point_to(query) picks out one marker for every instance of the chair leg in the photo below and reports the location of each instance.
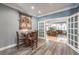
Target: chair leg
(36, 44)
(17, 40)
(17, 44)
(32, 45)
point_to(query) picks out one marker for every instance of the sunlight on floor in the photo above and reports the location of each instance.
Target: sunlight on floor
(59, 39)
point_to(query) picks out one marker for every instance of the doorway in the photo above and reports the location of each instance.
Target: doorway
(56, 30)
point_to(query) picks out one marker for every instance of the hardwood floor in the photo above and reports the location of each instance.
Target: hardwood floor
(44, 48)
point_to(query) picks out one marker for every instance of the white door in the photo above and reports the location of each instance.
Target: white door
(41, 29)
(73, 31)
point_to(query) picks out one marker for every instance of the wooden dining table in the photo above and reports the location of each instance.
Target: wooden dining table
(29, 38)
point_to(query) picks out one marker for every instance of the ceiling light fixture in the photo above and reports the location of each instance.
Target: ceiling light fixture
(39, 12)
(32, 7)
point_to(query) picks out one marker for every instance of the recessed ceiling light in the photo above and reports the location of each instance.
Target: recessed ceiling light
(39, 12)
(32, 7)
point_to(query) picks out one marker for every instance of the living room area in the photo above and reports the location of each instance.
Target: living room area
(56, 30)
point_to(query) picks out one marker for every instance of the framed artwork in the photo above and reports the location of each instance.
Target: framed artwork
(25, 22)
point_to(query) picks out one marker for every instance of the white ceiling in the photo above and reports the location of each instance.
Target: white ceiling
(45, 8)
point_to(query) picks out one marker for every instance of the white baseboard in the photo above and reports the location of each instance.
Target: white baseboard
(6, 47)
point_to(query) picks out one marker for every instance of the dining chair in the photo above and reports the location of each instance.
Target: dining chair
(33, 39)
(20, 39)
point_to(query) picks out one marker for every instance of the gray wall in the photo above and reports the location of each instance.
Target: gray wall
(8, 26)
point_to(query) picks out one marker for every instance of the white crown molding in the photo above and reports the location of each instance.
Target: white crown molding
(7, 47)
(68, 8)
